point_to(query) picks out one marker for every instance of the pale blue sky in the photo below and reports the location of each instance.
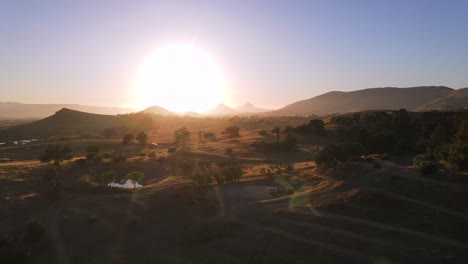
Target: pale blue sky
(271, 52)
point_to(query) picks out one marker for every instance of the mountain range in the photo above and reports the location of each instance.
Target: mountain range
(422, 98)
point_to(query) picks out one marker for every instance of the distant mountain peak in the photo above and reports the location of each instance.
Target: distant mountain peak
(158, 110)
(250, 108)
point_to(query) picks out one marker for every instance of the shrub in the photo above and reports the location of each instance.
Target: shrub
(427, 167)
(419, 159)
(152, 155)
(442, 152)
(34, 231)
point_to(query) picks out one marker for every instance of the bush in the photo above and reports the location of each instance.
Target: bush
(427, 167)
(442, 152)
(419, 159)
(34, 231)
(152, 155)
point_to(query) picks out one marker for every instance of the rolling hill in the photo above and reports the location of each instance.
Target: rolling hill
(67, 122)
(11, 110)
(411, 98)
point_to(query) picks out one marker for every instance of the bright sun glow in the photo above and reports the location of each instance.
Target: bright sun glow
(179, 78)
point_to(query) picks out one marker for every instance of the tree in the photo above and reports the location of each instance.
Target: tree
(231, 173)
(128, 139)
(135, 177)
(142, 137)
(202, 180)
(108, 177)
(181, 137)
(232, 131)
(458, 152)
(316, 126)
(57, 154)
(277, 131)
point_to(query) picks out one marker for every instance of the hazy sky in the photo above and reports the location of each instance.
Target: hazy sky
(272, 53)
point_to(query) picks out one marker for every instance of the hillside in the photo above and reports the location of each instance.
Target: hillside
(368, 99)
(65, 122)
(10, 110)
(457, 99)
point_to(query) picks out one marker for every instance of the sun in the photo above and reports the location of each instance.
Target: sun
(180, 78)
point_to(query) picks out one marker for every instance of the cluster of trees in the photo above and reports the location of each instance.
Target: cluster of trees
(141, 138)
(225, 173)
(232, 132)
(315, 126)
(289, 143)
(443, 135)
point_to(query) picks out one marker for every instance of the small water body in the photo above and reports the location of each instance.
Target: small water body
(124, 184)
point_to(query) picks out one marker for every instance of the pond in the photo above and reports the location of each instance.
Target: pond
(124, 184)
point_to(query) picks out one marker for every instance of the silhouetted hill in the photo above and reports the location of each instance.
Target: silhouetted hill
(457, 99)
(221, 110)
(250, 108)
(158, 110)
(10, 110)
(68, 122)
(368, 99)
